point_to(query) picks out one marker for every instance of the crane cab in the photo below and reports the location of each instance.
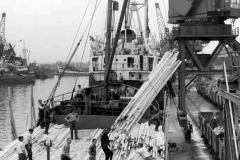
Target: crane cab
(182, 10)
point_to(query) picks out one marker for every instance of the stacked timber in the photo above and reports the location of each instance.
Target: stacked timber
(146, 94)
(58, 134)
(122, 130)
(124, 147)
(79, 148)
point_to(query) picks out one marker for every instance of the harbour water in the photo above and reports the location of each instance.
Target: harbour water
(21, 101)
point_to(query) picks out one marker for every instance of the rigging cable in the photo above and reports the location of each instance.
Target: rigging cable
(105, 28)
(78, 28)
(51, 96)
(96, 6)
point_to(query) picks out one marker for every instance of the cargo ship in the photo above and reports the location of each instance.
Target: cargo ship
(69, 72)
(13, 69)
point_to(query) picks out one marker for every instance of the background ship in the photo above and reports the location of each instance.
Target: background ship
(113, 80)
(73, 72)
(12, 68)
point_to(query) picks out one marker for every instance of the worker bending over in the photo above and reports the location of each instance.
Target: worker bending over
(158, 118)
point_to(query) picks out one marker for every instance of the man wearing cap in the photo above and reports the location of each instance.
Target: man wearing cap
(20, 149)
(105, 143)
(73, 118)
(28, 143)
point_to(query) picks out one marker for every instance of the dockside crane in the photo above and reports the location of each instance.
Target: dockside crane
(2, 32)
(204, 21)
(3, 43)
(162, 29)
(166, 41)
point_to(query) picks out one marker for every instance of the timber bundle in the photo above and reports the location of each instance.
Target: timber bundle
(146, 94)
(123, 147)
(121, 130)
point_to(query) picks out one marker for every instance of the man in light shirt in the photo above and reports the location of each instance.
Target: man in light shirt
(28, 143)
(20, 149)
(143, 152)
(66, 150)
(80, 90)
(73, 118)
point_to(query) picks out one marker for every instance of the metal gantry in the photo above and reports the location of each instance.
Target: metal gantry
(204, 21)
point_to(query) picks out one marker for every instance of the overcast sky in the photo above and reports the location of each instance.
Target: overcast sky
(49, 26)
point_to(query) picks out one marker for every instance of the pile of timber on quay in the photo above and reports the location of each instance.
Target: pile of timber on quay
(58, 134)
(79, 148)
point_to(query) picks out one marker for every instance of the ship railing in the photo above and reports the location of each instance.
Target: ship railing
(93, 107)
(125, 66)
(63, 97)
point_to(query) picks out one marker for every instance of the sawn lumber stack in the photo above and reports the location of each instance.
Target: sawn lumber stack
(146, 94)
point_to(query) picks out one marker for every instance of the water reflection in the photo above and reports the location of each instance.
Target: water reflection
(21, 101)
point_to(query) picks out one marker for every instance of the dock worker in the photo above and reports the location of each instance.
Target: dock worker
(73, 118)
(92, 150)
(80, 90)
(188, 130)
(143, 151)
(47, 119)
(21, 149)
(121, 77)
(41, 108)
(105, 144)
(28, 143)
(66, 150)
(158, 118)
(214, 122)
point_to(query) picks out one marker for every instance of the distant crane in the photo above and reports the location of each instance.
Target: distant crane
(162, 29)
(2, 32)
(166, 41)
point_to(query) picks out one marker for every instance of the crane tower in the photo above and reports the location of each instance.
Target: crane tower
(2, 32)
(161, 24)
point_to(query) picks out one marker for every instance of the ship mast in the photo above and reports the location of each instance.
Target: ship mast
(146, 19)
(108, 63)
(108, 46)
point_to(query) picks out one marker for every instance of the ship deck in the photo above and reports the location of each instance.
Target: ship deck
(59, 134)
(196, 150)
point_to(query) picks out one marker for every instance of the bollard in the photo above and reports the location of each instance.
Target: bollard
(48, 144)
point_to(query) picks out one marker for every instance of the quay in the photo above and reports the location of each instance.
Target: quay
(196, 150)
